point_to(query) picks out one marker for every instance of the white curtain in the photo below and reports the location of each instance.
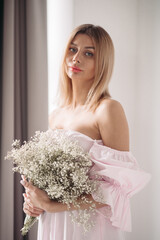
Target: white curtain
(60, 15)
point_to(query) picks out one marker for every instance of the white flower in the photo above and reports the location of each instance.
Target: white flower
(57, 164)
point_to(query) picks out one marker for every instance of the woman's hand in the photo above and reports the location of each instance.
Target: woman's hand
(29, 209)
(35, 198)
(37, 201)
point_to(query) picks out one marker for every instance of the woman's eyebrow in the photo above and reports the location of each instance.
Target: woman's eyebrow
(73, 44)
(90, 47)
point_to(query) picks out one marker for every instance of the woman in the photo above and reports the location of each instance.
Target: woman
(87, 113)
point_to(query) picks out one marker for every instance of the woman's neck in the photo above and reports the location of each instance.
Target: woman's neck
(80, 92)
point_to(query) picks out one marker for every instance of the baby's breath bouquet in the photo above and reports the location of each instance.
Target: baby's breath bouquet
(56, 163)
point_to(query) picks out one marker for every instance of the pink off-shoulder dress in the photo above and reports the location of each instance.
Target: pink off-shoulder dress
(121, 179)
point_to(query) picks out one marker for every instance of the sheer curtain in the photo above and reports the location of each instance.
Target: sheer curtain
(24, 95)
(60, 22)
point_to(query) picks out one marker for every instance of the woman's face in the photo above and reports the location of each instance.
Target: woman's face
(80, 59)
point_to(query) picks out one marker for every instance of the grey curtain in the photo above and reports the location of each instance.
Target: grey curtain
(1, 57)
(24, 98)
(20, 101)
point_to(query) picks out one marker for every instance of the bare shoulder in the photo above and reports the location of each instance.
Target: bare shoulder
(112, 124)
(109, 105)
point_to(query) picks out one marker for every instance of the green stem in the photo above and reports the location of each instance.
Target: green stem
(28, 223)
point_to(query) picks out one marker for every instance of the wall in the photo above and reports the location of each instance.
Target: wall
(133, 26)
(118, 18)
(147, 126)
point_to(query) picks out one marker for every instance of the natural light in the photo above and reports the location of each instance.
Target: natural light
(59, 25)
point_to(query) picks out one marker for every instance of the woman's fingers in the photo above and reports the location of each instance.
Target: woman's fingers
(31, 211)
(38, 210)
(36, 196)
(23, 177)
(27, 185)
(27, 200)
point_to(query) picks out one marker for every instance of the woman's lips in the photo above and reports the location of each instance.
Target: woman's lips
(75, 69)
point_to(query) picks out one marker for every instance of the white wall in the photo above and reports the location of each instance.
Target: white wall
(133, 26)
(148, 116)
(119, 19)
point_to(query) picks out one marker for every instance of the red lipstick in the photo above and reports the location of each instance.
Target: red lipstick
(75, 69)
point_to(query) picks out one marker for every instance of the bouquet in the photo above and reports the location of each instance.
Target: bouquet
(54, 162)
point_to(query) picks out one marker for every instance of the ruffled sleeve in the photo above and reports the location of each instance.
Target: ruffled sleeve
(120, 178)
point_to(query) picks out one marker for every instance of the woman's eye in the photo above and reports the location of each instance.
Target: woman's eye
(89, 54)
(72, 49)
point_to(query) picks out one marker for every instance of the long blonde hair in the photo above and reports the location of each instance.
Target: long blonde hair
(104, 61)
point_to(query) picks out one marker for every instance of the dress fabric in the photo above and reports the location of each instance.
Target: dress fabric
(120, 179)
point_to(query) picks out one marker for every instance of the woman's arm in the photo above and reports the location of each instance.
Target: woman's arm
(37, 201)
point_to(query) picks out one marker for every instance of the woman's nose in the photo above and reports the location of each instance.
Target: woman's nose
(76, 58)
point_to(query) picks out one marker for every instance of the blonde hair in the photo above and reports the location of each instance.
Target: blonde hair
(104, 61)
